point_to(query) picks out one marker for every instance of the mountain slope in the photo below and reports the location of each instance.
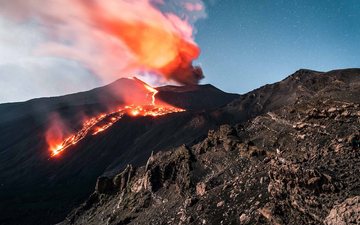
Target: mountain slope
(37, 189)
(292, 164)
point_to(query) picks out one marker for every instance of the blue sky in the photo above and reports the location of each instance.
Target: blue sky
(245, 44)
(248, 43)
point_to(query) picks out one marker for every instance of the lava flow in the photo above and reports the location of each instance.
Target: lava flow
(98, 124)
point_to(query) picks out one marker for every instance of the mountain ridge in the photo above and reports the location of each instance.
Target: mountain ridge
(287, 165)
(134, 140)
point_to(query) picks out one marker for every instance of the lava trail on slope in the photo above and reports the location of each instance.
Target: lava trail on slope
(102, 122)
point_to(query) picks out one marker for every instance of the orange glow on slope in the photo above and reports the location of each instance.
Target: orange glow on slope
(101, 123)
(153, 92)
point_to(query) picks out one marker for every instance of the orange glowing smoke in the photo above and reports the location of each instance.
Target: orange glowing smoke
(55, 134)
(157, 50)
(58, 142)
(113, 38)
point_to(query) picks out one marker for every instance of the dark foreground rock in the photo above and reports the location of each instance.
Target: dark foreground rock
(295, 165)
(348, 212)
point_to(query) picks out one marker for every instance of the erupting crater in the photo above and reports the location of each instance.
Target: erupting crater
(102, 122)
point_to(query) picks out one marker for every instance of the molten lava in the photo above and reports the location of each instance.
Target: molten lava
(99, 124)
(153, 92)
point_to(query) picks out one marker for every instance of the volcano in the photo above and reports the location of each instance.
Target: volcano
(280, 154)
(54, 185)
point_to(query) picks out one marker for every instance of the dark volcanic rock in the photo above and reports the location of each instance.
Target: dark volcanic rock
(195, 97)
(348, 212)
(286, 154)
(104, 185)
(297, 164)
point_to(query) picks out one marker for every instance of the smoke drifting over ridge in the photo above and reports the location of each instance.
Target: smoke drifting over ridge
(114, 38)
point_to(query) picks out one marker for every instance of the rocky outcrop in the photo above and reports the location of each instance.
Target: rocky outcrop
(165, 170)
(106, 185)
(347, 212)
(295, 189)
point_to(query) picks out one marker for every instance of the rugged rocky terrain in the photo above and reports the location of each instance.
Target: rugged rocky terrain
(286, 153)
(291, 156)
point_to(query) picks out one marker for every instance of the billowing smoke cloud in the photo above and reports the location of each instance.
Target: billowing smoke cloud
(114, 38)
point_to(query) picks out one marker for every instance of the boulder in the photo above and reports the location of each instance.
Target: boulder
(347, 212)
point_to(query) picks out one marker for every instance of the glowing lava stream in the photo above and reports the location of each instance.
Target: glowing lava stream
(102, 122)
(153, 92)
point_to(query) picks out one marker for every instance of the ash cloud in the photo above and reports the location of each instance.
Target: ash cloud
(117, 38)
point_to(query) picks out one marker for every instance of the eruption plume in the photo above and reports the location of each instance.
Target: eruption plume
(114, 38)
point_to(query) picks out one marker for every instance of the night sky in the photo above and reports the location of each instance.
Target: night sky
(248, 43)
(245, 44)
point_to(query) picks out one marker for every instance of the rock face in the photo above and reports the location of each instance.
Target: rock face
(298, 164)
(348, 212)
(106, 185)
